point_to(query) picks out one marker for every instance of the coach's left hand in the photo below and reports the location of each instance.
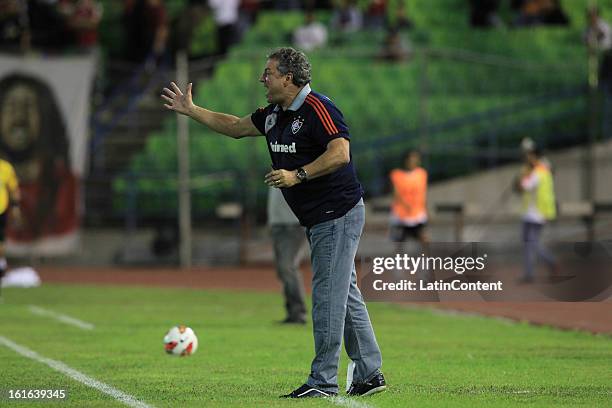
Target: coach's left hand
(281, 178)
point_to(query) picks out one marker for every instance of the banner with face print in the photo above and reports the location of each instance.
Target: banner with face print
(44, 112)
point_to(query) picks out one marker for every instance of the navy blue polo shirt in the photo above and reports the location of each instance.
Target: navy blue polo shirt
(298, 136)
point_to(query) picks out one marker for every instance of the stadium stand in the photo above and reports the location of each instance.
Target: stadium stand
(466, 97)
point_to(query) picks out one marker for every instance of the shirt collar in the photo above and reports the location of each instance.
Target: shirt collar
(298, 101)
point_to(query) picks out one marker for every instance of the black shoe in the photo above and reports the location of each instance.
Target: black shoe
(306, 391)
(372, 386)
(293, 320)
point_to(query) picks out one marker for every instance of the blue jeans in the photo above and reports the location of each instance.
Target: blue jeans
(338, 310)
(531, 238)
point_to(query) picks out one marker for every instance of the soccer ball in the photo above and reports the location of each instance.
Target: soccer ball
(180, 341)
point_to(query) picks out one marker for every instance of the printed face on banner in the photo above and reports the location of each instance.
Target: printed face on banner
(33, 139)
(20, 117)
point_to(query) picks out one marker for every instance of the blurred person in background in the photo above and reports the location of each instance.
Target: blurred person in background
(375, 16)
(288, 239)
(347, 17)
(409, 208)
(395, 48)
(536, 185)
(287, 4)
(556, 15)
(528, 146)
(14, 26)
(483, 13)
(311, 35)
(83, 18)
(225, 13)
(401, 21)
(194, 31)
(146, 30)
(48, 25)
(248, 12)
(537, 12)
(598, 38)
(10, 201)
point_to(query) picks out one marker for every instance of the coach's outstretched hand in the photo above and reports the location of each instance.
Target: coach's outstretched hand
(177, 100)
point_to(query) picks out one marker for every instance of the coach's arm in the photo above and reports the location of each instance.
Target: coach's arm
(224, 123)
(335, 156)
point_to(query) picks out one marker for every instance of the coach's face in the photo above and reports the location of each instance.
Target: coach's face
(275, 83)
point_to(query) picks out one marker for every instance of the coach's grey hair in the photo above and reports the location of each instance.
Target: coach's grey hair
(294, 61)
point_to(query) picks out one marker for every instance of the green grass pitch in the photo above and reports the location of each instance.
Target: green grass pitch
(246, 360)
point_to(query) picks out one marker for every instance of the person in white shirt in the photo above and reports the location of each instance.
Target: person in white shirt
(225, 13)
(598, 34)
(311, 35)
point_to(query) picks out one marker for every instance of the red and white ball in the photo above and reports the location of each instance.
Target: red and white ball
(180, 341)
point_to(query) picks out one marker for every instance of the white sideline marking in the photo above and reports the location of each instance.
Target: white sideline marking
(75, 375)
(61, 317)
(350, 403)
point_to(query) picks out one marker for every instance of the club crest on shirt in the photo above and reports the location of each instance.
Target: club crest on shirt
(297, 125)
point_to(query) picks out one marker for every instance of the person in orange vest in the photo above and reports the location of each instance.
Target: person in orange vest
(537, 188)
(408, 210)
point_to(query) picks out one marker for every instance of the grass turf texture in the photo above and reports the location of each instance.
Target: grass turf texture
(244, 359)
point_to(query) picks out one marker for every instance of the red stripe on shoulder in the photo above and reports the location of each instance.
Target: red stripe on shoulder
(312, 101)
(325, 113)
(320, 115)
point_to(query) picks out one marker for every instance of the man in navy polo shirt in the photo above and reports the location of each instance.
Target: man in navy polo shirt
(310, 150)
